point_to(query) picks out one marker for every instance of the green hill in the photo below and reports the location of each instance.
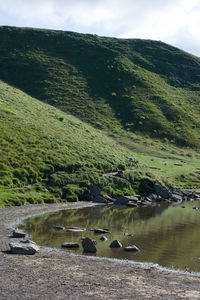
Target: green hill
(141, 86)
(143, 94)
(48, 155)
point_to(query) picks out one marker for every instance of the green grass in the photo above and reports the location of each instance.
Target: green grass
(43, 149)
(144, 86)
(140, 96)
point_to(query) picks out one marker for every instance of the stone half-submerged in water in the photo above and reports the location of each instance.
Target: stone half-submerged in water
(58, 228)
(100, 231)
(132, 248)
(103, 238)
(115, 244)
(70, 245)
(89, 245)
(26, 247)
(75, 229)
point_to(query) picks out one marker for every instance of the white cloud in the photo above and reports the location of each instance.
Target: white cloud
(173, 21)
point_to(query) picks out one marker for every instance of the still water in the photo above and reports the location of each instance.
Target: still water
(166, 235)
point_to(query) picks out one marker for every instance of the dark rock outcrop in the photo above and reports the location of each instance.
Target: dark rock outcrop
(161, 191)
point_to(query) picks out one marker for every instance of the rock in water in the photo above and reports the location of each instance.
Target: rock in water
(75, 229)
(103, 238)
(58, 228)
(89, 246)
(25, 247)
(70, 245)
(101, 231)
(128, 234)
(115, 244)
(17, 233)
(131, 249)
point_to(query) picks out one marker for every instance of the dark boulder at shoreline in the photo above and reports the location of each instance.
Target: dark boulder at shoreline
(25, 247)
(89, 246)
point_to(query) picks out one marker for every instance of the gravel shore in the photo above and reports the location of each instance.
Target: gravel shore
(52, 274)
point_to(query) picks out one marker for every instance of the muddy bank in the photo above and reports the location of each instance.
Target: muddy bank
(54, 275)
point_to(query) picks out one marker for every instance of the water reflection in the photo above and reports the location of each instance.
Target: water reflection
(165, 235)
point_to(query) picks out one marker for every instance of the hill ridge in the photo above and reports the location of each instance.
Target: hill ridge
(143, 86)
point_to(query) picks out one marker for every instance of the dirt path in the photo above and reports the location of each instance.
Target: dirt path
(52, 275)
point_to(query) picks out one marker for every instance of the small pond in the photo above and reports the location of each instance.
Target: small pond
(166, 235)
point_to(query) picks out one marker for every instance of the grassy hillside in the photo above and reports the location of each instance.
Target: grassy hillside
(47, 155)
(120, 86)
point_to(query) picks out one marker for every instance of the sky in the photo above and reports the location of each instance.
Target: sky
(176, 22)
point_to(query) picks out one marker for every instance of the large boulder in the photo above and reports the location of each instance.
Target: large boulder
(25, 247)
(89, 246)
(17, 233)
(115, 244)
(161, 190)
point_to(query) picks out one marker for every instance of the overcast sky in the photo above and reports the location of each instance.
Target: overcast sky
(176, 22)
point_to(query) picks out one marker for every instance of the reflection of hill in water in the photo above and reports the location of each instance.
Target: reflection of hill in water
(168, 236)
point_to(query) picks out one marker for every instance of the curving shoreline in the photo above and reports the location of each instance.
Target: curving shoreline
(51, 275)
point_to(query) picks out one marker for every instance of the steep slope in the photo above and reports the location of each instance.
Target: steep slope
(141, 86)
(47, 154)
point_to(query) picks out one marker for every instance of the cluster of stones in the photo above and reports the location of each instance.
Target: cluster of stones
(24, 246)
(155, 193)
(89, 245)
